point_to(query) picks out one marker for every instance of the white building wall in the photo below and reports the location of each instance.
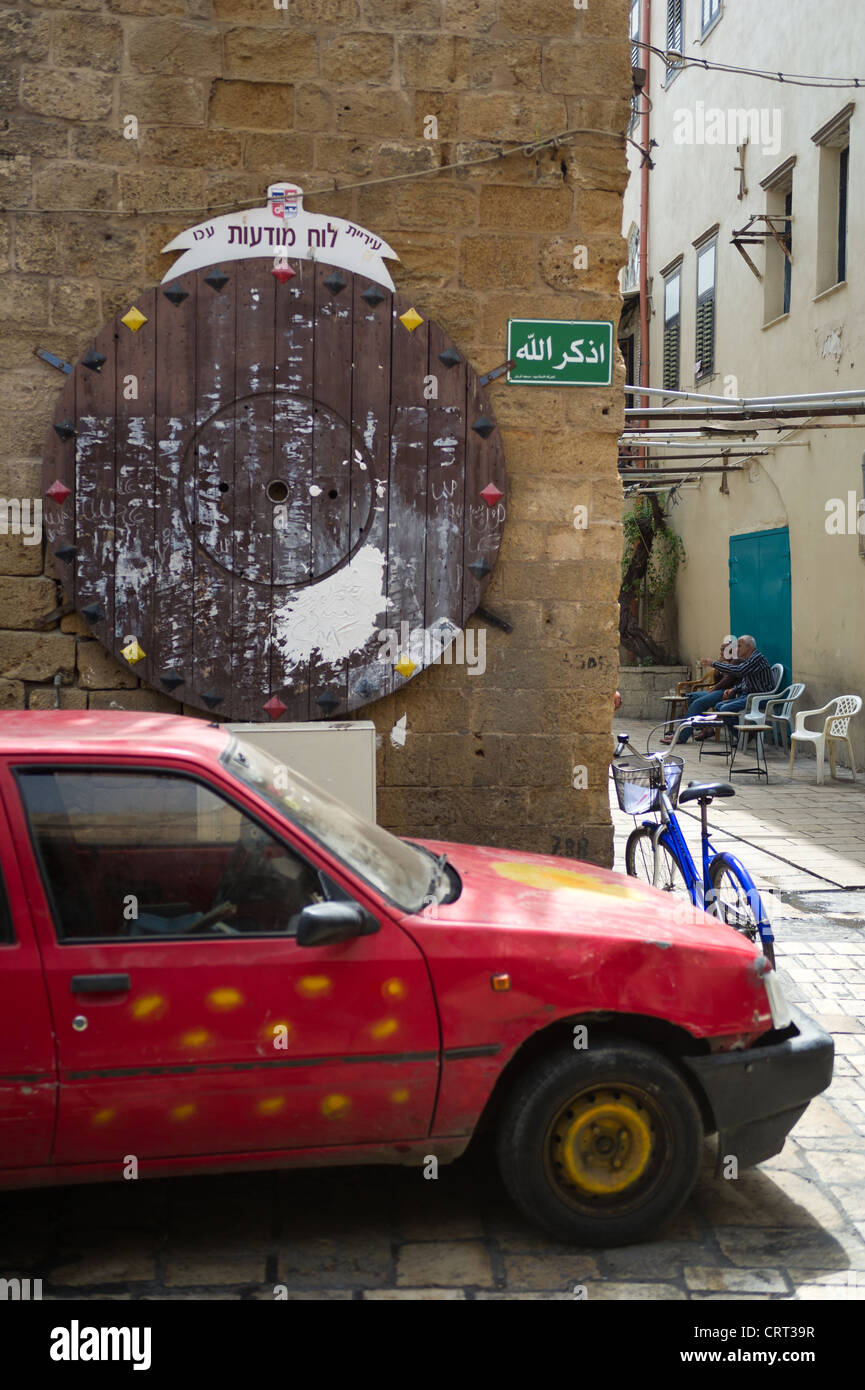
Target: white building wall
(819, 345)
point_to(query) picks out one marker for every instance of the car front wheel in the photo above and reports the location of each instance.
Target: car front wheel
(601, 1146)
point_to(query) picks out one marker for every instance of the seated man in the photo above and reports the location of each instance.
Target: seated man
(753, 677)
(700, 701)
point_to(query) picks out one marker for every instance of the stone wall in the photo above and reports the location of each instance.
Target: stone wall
(231, 95)
(643, 688)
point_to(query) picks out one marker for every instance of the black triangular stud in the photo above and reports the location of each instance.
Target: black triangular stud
(335, 282)
(171, 680)
(93, 360)
(373, 296)
(93, 613)
(65, 429)
(66, 553)
(328, 702)
(211, 699)
(480, 569)
(450, 357)
(176, 294)
(216, 279)
(364, 689)
(483, 426)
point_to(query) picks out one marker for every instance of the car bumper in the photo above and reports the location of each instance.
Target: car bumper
(757, 1095)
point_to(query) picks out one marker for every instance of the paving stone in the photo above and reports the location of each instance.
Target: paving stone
(838, 1165)
(338, 1261)
(421, 1295)
(123, 1259)
(549, 1271)
(654, 1260)
(749, 1247)
(643, 1292)
(220, 1265)
(736, 1280)
(445, 1263)
(820, 1119)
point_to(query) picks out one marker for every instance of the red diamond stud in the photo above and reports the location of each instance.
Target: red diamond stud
(275, 707)
(59, 491)
(491, 494)
(282, 273)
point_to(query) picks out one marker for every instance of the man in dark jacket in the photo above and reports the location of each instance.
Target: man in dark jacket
(753, 677)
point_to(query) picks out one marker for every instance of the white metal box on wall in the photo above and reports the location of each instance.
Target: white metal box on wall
(338, 756)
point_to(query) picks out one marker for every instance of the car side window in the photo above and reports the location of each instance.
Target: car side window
(141, 855)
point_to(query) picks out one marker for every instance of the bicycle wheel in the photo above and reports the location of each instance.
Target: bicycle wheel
(640, 863)
(736, 901)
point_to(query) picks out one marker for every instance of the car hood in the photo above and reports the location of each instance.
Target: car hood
(513, 890)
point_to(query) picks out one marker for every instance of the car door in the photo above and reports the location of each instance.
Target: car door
(28, 1074)
(189, 1020)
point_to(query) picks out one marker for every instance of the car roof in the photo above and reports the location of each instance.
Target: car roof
(109, 732)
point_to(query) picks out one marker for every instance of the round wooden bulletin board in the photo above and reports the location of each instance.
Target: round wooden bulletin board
(249, 478)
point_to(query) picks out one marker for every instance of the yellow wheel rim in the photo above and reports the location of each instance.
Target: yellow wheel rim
(602, 1142)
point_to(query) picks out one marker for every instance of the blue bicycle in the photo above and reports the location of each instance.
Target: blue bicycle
(657, 853)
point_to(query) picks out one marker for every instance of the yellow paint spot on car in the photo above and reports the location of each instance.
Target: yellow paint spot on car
(393, 989)
(400, 1094)
(541, 876)
(224, 999)
(278, 1035)
(183, 1112)
(103, 1117)
(271, 1105)
(195, 1037)
(385, 1028)
(334, 1105)
(148, 1006)
(314, 986)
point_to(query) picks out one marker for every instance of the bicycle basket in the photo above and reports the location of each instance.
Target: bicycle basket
(639, 782)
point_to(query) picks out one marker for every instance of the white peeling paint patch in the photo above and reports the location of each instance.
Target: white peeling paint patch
(336, 616)
(398, 732)
(314, 490)
(136, 432)
(369, 432)
(446, 442)
(380, 489)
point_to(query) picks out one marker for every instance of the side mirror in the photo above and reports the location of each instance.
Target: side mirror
(323, 924)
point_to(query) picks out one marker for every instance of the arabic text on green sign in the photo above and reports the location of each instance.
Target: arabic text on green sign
(560, 352)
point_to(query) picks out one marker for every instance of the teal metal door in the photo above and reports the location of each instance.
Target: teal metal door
(760, 593)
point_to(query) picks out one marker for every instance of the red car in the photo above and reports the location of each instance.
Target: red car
(208, 964)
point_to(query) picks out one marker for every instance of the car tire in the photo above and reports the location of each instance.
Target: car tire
(600, 1147)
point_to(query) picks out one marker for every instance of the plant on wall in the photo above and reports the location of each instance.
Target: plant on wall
(650, 562)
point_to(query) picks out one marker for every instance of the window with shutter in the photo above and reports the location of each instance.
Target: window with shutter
(672, 294)
(704, 360)
(711, 10)
(675, 39)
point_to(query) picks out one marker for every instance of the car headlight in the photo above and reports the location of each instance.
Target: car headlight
(778, 1006)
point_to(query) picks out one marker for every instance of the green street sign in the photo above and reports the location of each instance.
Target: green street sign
(560, 352)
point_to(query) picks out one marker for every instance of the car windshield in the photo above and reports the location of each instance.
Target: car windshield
(402, 873)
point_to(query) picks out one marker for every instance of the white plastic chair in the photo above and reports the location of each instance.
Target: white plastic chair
(839, 712)
(754, 711)
(779, 711)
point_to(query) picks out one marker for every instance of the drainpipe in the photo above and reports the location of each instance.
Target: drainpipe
(646, 31)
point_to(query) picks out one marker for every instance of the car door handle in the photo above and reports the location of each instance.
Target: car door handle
(99, 984)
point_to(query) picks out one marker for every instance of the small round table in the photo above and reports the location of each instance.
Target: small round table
(760, 769)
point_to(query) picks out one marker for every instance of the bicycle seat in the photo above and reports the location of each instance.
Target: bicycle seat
(704, 791)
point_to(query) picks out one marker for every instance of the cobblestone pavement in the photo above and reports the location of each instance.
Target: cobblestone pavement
(794, 1228)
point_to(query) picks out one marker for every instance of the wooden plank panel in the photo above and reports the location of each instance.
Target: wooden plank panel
(292, 446)
(445, 497)
(135, 484)
(173, 545)
(330, 486)
(94, 485)
(483, 523)
(210, 488)
(406, 576)
(370, 677)
(253, 471)
(58, 465)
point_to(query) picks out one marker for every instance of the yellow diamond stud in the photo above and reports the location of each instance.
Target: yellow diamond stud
(133, 652)
(133, 318)
(405, 667)
(411, 320)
